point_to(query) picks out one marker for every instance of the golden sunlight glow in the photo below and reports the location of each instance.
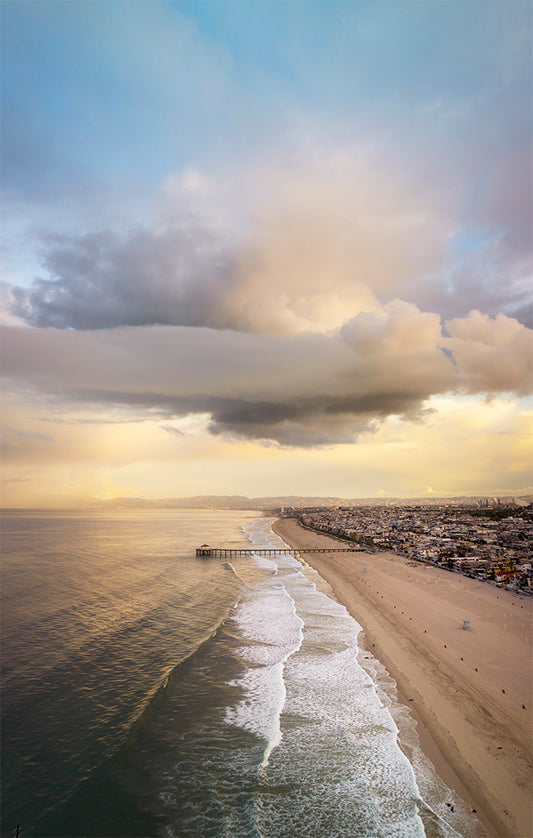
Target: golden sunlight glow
(66, 462)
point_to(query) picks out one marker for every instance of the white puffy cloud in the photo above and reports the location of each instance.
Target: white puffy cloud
(315, 242)
(493, 355)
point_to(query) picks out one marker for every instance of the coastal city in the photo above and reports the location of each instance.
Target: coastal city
(492, 541)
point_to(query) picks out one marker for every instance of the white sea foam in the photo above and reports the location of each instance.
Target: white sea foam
(265, 563)
(271, 621)
(332, 740)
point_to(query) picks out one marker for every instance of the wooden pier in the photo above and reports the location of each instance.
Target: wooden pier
(205, 551)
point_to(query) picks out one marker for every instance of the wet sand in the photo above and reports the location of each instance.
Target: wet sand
(470, 691)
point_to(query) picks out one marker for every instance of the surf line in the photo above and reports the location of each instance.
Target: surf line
(279, 668)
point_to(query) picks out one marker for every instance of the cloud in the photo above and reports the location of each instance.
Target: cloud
(334, 226)
(494, 356)
(75, 420)
(286, 247)
(170, 429)
(102, 280)
(321, 239)
(342, 234)
(301, 390)
(30, 434)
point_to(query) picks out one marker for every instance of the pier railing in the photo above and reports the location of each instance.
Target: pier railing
(228, 552)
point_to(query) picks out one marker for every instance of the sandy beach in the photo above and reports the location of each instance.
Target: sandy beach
(470, 691)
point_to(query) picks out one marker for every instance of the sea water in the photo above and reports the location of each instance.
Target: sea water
(150, 693)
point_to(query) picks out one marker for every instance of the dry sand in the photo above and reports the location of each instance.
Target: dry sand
(466, 688)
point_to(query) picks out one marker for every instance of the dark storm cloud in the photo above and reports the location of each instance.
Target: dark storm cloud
(303, 390)
(302, 422)
(101, 280)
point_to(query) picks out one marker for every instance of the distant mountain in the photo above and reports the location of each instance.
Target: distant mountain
(287, 501)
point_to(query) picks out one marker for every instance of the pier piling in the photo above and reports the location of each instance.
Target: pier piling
(227, 552)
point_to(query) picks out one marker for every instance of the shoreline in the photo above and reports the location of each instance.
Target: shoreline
(470, 692)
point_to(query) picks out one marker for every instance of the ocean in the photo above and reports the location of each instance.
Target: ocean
(147, 692)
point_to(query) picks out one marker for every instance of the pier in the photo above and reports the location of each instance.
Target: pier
(205, 551)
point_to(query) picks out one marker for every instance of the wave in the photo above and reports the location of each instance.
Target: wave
(273, 632)
(174, 673)
(107, 794)
(318, 693)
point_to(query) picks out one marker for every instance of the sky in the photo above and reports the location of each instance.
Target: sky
(266, 248)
